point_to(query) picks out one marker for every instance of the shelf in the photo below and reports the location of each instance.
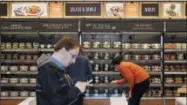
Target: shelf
(107, 85)
(175, 85)
(19, 61)
(20, 33)
(155, 73)
(171, 62)
(46, 50)
(19, 72)
(18, 85)
(139, 33)
(105, 73)
(60, 33)
(21, 50)
(142, 50)
(14, 98)
(101, 61)
(175, 73)
(175, 50)
(145, 61)
(101, 50)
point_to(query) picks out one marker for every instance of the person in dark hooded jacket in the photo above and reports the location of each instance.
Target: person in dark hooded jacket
(54, 85)
(81, 70)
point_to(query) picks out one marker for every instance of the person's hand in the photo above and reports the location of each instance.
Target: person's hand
(114, 81)
(81, 86)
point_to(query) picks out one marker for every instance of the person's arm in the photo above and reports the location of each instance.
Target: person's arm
(130, 78)
(121, 81)
(57, 90)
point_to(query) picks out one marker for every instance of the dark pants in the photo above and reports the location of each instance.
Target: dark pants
(138, 91)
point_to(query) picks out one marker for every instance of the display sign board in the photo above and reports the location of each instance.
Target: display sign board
(3, 9)
(66, 26)
(29, 9)
(18, 27)
(144, 26)
(172, 10)
(131, 10)
(150, 9)
(101, 26)
(56, 9)
(176, 26)
(83, 9)
(114, 10)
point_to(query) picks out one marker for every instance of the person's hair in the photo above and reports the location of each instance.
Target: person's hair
(117, 60)
(67, 42)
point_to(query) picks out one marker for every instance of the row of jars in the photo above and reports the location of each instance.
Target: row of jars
(22, 68)
(152, 68)
(141, 57)
(175, 80)
(118, 44)
(103, 92)
(19, 56)
(27, 45)
(153, 93)
(175, 45)
(16, 80)
(173, 56)
(175, 68)
(18, 94)
(171, 93)
(19, 45)
(102, 67)
(105, 79)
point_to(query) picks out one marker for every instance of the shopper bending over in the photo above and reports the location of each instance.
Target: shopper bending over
(137, 77)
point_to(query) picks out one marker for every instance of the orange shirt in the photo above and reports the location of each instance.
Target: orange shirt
(133, 73)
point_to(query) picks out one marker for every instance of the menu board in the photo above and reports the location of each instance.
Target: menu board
(113, 9)
(172, 9)
(102, 26)
(186, 9)
(29, 9)
(176, 26)
(18, 27)
(150, 9)
(131, 9)
(3, 9)
(65, 26)
(83, 9)
(144, 26)
(56, 9)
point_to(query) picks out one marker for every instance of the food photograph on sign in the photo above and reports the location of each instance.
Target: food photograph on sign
(114, 10)
(171, 9)
(29, 9)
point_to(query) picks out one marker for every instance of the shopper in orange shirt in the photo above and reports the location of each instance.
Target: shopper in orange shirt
(136, 76)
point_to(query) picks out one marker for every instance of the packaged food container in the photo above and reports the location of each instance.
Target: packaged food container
(156, 57)
(106, 45)
(106, 55)
(14, 80)
(4, 68)
(178, 45)
(135, 45)
(42, 46)
(87, 44)
(3, 45)
(4, 93)
(24, 68)
(126, 45)
(15, 45)
(14, 93)
(9, 56)
(183, 46)
(136, 57)
(169, 80)
(28, 45)
(4, 80)
(32, 80)
(146, 57)
(15, 56)
(21, 45)
(34, 57)
(96, 67)
(49, 45)
(35, 45)
(127, 57)
(13, 68)
(96, 44)
(33, 68)
(155, 46)
(28, 57)
(23, 80)
(180, 56)
(24, 93)
(22, 57)
(8, 45)
(32, 94)
(116, 44)
(146, 46)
